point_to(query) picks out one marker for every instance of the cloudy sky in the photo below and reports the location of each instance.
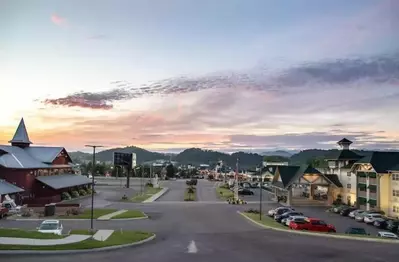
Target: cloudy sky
(225, 74)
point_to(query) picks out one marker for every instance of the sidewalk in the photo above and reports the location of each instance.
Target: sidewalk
(102, 235)
(111, 215)
(42, 242)
(156, 196)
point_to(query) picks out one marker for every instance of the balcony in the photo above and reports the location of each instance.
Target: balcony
(373, 181)
(362, 194)
(373, 195)
(361, 180)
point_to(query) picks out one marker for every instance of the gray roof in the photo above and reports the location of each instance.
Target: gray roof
(7, 188)
(64, 181)
(44, 154)
(21, 135)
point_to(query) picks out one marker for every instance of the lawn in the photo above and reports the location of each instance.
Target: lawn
(10, 232)
(148, 192)
(224, 193)
(192, 196)
(117, 238)
(130, 214)
(82, 232)
(87, 214)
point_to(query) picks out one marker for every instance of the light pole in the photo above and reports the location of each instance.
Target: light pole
(260, 195)
(92, 182)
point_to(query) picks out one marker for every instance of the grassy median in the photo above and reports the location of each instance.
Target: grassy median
(190, 194)
(148, 192)
(86, 214)
(266, 220)
(117, 238)
(224, 193)
(130, 214)
(19, 233)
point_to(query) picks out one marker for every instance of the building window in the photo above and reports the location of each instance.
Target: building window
(395, 193)
(395, 209)
(349, 174)
(395, 177)
(348, 186)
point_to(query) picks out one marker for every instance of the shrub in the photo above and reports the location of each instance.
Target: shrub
(253, 211)
(88, 191)
(82, 192)
(65, 196)
(149, 184)
(124, 197)
(74, 194)
(26, 213)
(73, 211)
(226, 186)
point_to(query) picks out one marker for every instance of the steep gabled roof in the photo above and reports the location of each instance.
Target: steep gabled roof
(382, 162)
(17, 157)
(287, 173)
(8, 188)
(344, 141)
(44, 154)
(21, 135)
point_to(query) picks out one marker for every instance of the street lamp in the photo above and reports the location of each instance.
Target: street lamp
(260, 194)
(92, 182)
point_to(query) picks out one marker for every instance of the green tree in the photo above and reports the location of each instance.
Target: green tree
(170, 170)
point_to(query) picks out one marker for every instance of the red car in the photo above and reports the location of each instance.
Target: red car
(312, 224)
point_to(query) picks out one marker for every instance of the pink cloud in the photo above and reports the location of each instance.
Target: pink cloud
(58, 20)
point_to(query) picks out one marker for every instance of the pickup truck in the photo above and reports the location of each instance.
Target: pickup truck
(3, 212)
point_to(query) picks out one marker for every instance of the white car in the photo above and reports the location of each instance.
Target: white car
(370, 218)
(387, 235)
(294, 218)
(51, 226)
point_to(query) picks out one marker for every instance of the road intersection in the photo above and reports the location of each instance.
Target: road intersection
(206, 231)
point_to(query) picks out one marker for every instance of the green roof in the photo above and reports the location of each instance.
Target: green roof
(382, 162)
(345, 154)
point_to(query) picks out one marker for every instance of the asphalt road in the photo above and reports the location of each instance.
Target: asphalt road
(219, 233)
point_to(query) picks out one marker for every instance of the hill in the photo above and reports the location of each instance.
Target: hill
(277, 153)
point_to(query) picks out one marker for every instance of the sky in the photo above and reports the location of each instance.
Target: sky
(226, 75)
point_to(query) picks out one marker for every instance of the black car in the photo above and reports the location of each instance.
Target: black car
(392, 225)
(245, 191)
(281, 211)
(345, 211)
(356, 231)
(381, 222)
(278, 218)
(192, 182)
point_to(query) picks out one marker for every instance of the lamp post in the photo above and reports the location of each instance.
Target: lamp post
(92, 182)
(260, 194)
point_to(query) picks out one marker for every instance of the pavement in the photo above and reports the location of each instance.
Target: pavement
(111, 215)
(102, 235)
(212, 232)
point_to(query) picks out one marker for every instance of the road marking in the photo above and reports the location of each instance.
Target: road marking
(192, 248)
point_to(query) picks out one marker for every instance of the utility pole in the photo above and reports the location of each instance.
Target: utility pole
(260, 195)
(92, 182)
(236, 183)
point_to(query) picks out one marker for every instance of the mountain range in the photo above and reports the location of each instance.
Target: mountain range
(196, 156)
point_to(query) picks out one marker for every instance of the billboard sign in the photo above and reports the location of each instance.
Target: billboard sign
(123, 159)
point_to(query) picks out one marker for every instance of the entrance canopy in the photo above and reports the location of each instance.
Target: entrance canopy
(286, 176)
(64, 181)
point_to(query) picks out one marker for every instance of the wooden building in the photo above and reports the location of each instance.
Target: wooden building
(36, 174)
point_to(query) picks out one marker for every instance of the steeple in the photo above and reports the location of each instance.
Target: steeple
(344, 143)
(21, 138)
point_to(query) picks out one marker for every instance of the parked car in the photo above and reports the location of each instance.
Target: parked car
(3, 212)
(192, 182)
(387, 235)
(381, 222)
(354, 213)
(279, 211)
(370, 218)
(392, 225)
(245, 191)
(337, 209)
(312, 224)
(360, 217)
(356, 231)
(287, 214)
(293, 218)
(51, 226)
(346, 211)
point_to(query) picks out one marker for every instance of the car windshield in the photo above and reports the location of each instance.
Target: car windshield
(48, 226)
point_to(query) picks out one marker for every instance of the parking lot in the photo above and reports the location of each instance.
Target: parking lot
(341, 223)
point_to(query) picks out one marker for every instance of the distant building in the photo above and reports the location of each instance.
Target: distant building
(36, 174)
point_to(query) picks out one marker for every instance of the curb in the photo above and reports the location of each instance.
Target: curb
(156, 196)
(74, 251)
(87, 219)
(320, 234)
